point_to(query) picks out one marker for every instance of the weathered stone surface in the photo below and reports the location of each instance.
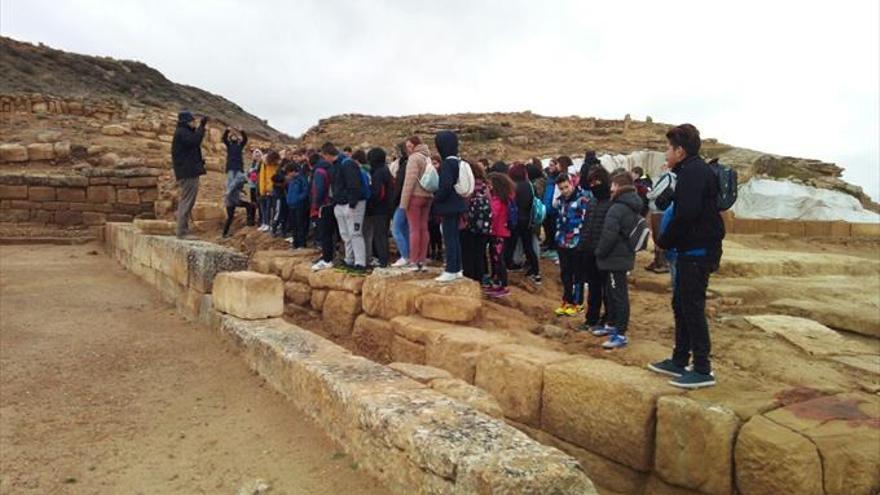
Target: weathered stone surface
(372, 338)
(248, 295)
(127, 196)
(333, 280)
(846, 430)
(40, 151)
(93, 218)
(207, 211)
(457, 349)
(604, 407)
(70, 194)
(420, 372)
(13, 153)
(514, 374)
(810, 336)
(473, 396)
(13, 192)
(155, 227)
(388, 294)
(298, 272)
(205, 260)
(772, 459)
(297, 292)
(339, 312)
(318, 297)
(38, 193)
(62, 149)
(102, 194)
(656, 486)
(261, 261)
(115, 130)
(406, 351)
(68, 217)
(454, 309)
(695, 444)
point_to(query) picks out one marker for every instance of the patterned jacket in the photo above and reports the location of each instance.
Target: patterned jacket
(570, 222)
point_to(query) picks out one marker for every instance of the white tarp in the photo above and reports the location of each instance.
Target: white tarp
(651, 162)
(774, 199)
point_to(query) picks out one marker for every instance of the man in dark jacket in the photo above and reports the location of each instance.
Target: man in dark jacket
(614, 255)
(346, 187)
(695, 233)
(322, 211)
(378, 207)
(186, 158)
(448, 204)
(597, 180)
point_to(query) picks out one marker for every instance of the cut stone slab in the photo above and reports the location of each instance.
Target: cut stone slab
(694, 444)
(339, 312)
(748, 263)
(604, 407)
(318, 297)
(407, 351)
(298, 293)
(249, 295)
(372, 338)
(475, 397)
(514, 374)
(420, 372)
(838, 314)
(772, 459)
(810, 336)
(455, 309)
(261, 261)
(205, 260)
(333, 280)
(155, 227)
(388, 294)
(13, 153)
(456, 350)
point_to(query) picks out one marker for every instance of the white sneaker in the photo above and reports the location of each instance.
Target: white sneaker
(321, 265)
(446, 277)
(459, 274)
(263, 228)
(400, 263)
(288, 239)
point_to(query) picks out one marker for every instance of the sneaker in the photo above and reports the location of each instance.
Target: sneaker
(661, 269)
(667, 367)
(321, 265)
(289, 239)
(498, 292)
(263, 228)
(459, 274)
(402, 262)
(601, 331)
(616, 341)
(560, 311)
(446, 277)
(536, 279)
(571, 310)
(692, 380)
(357, 271)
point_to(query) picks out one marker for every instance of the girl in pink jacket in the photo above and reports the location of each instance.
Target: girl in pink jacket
(501, 190)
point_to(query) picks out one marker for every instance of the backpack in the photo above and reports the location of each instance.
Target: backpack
(512, 214)
(430, 180)
(366, 192)
(663, 191)
(539, 211)
(727, 184)
(480, 214)
(465, 184)
(637, 240)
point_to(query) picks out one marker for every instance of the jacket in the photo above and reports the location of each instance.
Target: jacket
(571, 213)
(345, 181)
(595, 218)
(499, 217)
(415, 167)
(612, 252)
(523, 197)
(697, 222)
(399, 177)
(381, 190)
(446, 200)
(264, 184)
(298, 192)
(253, 174)
(186, 151)
(319, 193)
(234, 149)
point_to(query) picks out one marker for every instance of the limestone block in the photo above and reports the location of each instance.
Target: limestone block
(372, 338)
(297, 293)
(388, 294)
(68, 217)
(339, 312)
(248, 295)
(189, 305)
(13, 153)
(115, 130)
(261, 261)
(457, 350)
(127, 196)
(13, 192)
(473, 396)
(333, 280)
(101, 194)
(454, 309)
(318, 297)
(419, 372)
(205, 260)
(772, 459)
(406, 351)
(155, 227)
(694, 446)
(41, 193)
(604, 407)
(514, 374)
(656, 486)
(207, 211)
(70, 194)
(298, 272)
(93, 218)
(61, 149)
(40, 151)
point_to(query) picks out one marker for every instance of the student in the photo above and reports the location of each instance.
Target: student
(522, 232)
(233, 200)
(448, 204)
(477, 228)
(265, 187)
(279, 201)
(235, 144)
(571, 207)
(643, 185)
(695, 232)
(346, 186)
(416, 201)
(435, 238)
(550, 194)
(501, 192)
(253, 177)
(614, 255)
(399, 224)
(597, 180)
(298, 205)
(186, 157)
(378, 207)
(321, 210)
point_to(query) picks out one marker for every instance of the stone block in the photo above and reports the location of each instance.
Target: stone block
(205, 260)
(372, 338)
(388, 294)
(419, 372)
(297, 293)
(189, 305)
(248, 295)
(455, 309)
(473, 396)
(101, 194)
(457, 349)
(115, 130)
(127, 196)
(208, 211)
(141, 182)
(772, 459)
(40, 151)
(68, 217)
(318, 297)
(604, 407)
(339, 312)
(155, 227)
(298, 272)
(41, 194)
(13, 192)
(94, 218)
(333, 280)
(865, 229)
(70, 194)
(406, 351)
(13, 153)
(694, 444)
(261, 261)
(514, 374)
(62, 149)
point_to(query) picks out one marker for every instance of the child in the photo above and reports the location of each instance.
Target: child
(477, 228)
(233, 200)
(614, 255)
(571, 206)
(297, 205)
(597, 181)
(379, 206)
(264, 187)
(501, 191)
(253, 177)
(279, 191)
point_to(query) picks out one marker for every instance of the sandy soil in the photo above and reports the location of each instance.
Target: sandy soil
(104, 389)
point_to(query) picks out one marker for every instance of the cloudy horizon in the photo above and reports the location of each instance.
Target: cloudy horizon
(782, 77)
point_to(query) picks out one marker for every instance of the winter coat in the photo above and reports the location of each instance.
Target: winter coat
(264, 184)
(298, 192)
(319, 193)
(446, 200)
(595, 219)
(499, 217)
(381, 190)
(523, 197)
(571, 212)
(479, 209)
(346, 185)
(234, 150)
(186, 151)
(612, 252)
(415, 167)
(697, 222)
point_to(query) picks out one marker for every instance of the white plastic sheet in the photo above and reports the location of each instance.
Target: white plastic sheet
(774, 199)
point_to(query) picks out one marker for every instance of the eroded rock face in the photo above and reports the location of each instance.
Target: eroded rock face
(248, 295)
(339, 311)
(297, 293)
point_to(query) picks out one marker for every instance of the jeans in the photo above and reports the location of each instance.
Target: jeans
(326, 231)
(595, 291)
(689, 307)
(550, 230)
(189, 190)
(351, 230)
(400, 231)
(571, 272)
(496, 259)
(230, 214)
(376, 238)
(453, 243)
(298, 224)
(473, 254)
(267, 209)
(417, 217)
(618, 299)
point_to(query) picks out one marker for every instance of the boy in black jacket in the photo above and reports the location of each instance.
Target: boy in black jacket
(379, 206)
(695, 233)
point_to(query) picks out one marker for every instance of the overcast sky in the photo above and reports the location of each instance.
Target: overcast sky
(795, 78)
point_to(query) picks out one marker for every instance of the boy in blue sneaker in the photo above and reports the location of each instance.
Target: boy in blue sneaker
(614, 255)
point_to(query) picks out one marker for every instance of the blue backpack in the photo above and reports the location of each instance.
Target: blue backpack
(366, 192)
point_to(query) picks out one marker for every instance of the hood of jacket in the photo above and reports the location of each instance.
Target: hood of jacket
(423, 150)
(446, 143)
(376, 157)
(628, 196)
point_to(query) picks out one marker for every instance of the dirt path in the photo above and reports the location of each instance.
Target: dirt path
(104, 389)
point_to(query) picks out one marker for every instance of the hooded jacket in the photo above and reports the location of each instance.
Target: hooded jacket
(234, 149)
(571, 212)
(415, 167)
(696, 223)
(186, 148)
(298, 191)
(595, 218)
(345, 181)
(612, 251)
(381, 184)
(320, 191)
(446, 200)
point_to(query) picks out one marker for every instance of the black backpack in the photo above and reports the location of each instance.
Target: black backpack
(727, 184)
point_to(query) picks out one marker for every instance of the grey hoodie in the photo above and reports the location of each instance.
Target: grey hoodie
(612, 251)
